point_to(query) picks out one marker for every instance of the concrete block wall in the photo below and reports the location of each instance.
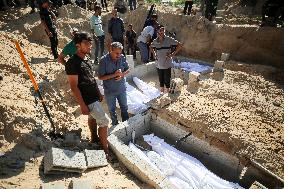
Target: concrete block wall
(121, 135)
(138, 123)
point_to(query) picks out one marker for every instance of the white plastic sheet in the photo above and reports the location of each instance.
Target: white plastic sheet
(147, 89)
(183, 170)
(191, 66)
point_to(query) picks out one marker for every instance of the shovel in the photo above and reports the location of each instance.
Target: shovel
(51, 134)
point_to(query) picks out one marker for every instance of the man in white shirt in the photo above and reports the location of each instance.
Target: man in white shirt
(144, 39)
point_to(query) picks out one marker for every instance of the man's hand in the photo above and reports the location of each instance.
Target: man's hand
(118, 75)
(49, 34)
(101, 97)
(84, 109)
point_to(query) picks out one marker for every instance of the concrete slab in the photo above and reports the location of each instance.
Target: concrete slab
(82, 184)
(95, 158)
(59, 185)
(257, 185)
(225, 56)
(219, 65)
(64, 160)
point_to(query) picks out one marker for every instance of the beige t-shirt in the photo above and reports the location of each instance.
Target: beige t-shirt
(162, 50)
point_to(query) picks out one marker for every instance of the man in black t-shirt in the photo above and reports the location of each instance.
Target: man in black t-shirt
(85, 89)
(48, 20)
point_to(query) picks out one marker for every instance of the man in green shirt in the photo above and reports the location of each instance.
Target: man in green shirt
(69, 49)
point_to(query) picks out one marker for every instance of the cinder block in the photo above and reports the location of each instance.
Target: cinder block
(257, 185)
(82, 184)
(58, 185)
(176, 85)
(218, 75)
(64, 160)
(193, 87)
(130, 61)
(193, 77)
(138, 57)
(95, 158)
(225, 56)
(219, 65)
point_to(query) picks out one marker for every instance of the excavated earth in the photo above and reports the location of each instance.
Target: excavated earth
(241, 114)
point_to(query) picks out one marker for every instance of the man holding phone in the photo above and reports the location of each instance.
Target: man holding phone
(112, 70)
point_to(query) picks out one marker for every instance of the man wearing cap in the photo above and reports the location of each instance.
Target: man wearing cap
(112, 70)
(84, 87)
(164, 48)
(69, 49)
(48, 21)
(98, 32)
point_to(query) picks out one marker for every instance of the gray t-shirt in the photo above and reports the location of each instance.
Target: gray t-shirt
(108, 66)
(162, 49)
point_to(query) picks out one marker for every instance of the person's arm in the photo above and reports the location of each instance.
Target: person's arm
(93, 25)
(73, 81)
(61, 58)
(152, 51)
(178, 48)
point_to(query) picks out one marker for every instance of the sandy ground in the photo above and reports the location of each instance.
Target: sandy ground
(245, 109)
(246, 106)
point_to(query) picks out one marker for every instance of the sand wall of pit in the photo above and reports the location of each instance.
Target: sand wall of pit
(205, 40)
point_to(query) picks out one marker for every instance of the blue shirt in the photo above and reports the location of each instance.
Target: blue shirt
(96, 25)
(108, 66)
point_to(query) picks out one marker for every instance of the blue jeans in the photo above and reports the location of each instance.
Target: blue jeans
(99, 47)
(143, 51)
(111, 103)
(132, 4)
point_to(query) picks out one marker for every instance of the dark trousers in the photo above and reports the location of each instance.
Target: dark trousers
(104, 3)
(187, 7)
(132, 48)
(32, 4)
(54, 44)
(164, 77)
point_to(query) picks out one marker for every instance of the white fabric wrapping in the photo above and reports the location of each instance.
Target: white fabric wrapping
(135, 100)
(147, 89)
(191, 66)
(188, 172)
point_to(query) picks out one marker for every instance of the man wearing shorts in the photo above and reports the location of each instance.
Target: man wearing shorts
(85, 89)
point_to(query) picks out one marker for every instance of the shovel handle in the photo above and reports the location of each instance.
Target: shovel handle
(26, 65)
(34, 83)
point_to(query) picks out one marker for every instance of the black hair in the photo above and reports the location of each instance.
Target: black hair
(97, 7)
(79, 37)
(160, 26)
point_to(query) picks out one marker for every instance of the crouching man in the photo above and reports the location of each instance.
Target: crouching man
(85, 89)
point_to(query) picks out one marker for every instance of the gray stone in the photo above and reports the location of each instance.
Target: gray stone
(130, 61)
(59, 185)
(64, 160)
(82, 184)
(219, 65)
(225, 56)
(176, 85)
(95, 158)
(193, 77)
